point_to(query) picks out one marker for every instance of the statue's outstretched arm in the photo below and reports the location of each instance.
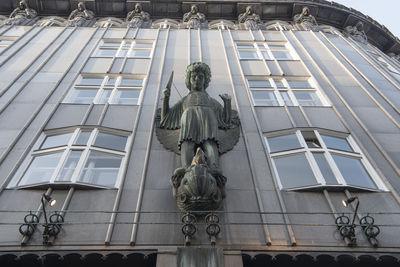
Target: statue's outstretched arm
(165, 100)
(13, 13)
(227, 108)
(72, 15)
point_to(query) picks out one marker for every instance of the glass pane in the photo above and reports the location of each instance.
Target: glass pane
(56, 140)
(69, 166)
(325, 168)
(6, 42)
(283, 142)
(140, 53)
(279, 84)
(245, 46)
(281, 55)
(123, 53)
(90, 81)
(41, 169)
(294, 171)
(111, 82)
(82, 138)
(266, 55)
(336, 142)
(101, 169)
(307, 98)
(111, 141)
(259, 84)
(248, 55)
(128, 97)
(286, 98)
(106, 52)
(82, 96)
(277, 46)
(353, 171)
(131, 83)
(264, 98)
(105, 94)
(107, 44)
(143, 45)
(299, 84)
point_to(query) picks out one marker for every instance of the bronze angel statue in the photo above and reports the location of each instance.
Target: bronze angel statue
(197, 124)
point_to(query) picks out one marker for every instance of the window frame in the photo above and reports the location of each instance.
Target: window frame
(123, 48)
(101, 89)
(278, 91)
(321, 182)
(66, 150)
(260, 48)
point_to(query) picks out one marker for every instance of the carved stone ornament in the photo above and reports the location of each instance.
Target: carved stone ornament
(356, 32)
(198, 128)
(80, 16)
(138, 18)
(21, 14)
(194, 19)
(306, 20)
(249, 19)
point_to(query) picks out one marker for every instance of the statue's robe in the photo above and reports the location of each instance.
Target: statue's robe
(198, 116)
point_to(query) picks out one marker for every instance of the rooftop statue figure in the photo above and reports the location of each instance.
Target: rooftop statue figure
(306, 19)
(356, 32)
(137, 18)
(194, 18)
(80, 16)
(21, 14)
(250, 19)
(198, 124)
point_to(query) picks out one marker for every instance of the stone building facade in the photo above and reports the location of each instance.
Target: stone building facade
(319, 118)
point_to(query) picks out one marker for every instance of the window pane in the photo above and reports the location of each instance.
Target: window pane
(128, 97)
(101, 169)
(248, 55)
(307, 98)
(69, 166)
(277, 46)
(259, 84)
(325, 168)
(139, 53)
(111, 82)
(265, 55)
(90, 81)
(83, 138)
(82, 96)
(245, 46)
(131, 82)
(299, 84)
(279, 84)
(41, 169)
(6, 42)
(123, 53)
(105, 94)
(264, 98)
(56, 140)
(294, 171)
(283, 142)
(336, 142)
(106, 52)
(281, 55)
(353, 171)
(111, 141)
(143, 45)
(110, 44)
(286, 98)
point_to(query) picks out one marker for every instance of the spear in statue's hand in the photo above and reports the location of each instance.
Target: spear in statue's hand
(167, 90)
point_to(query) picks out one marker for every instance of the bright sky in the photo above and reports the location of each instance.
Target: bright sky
(385, 12)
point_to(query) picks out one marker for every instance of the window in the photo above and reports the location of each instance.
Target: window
(123, 90)
(310, 159)
(385, 63)
(124, 48)
(83, 156)
(264, 50)
(11, 35)
(284, 91)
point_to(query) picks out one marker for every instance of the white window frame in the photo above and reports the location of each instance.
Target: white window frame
(66, 150)
(277, 90)
(104, 87)
(264, 47)
(124, 45)
(327, 152)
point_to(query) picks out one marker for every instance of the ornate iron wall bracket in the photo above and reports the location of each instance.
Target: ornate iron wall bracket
(370, 230)
(52, 229)
(188, 228)
(28, 228)
(212, 228)
(346, 230)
